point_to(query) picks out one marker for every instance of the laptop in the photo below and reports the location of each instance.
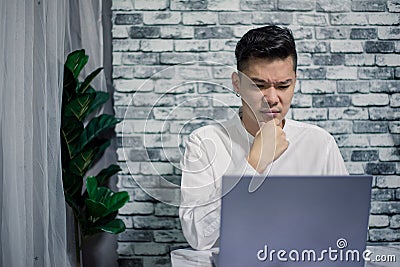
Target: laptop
(294, 221)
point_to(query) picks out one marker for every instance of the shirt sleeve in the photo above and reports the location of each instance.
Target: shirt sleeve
(335, 163)
(199, 211)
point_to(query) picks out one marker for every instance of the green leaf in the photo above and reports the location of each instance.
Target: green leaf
(71, 130)
(76, 61)
(100, 99)
(82, 161)
(117, 200)
(103, 176)
(85, 85)
(95, 210)
(79, 106)
(91, 186)
(69, 85)
(72, 184)
(95, 127)
(116, 226)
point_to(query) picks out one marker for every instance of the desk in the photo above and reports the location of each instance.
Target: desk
(194, 258)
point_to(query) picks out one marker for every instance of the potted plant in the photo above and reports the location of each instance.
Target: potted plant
(94, 206)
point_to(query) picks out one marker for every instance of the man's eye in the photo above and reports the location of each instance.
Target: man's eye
(283, 87)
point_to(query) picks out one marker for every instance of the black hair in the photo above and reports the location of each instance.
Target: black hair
(269, 42)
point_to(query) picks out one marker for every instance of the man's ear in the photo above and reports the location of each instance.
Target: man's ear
(235, 81)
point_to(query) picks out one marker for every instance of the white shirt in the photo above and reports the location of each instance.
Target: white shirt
(215, 150)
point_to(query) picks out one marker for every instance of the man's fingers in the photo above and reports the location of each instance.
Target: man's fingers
(277, 121)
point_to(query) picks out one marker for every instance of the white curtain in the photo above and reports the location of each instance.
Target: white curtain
(32, 205)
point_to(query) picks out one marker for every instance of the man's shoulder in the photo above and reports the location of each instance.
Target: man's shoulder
(308, 129)
(214, 128)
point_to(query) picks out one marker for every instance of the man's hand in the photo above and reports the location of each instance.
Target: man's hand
(269, 144)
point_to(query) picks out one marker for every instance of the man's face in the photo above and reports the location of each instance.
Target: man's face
(266, 88)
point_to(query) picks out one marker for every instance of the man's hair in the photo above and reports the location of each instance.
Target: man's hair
(269, 42)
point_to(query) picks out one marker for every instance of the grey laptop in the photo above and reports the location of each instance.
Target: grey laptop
(295, 221)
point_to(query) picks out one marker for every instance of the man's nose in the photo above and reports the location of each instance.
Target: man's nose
(271, 96)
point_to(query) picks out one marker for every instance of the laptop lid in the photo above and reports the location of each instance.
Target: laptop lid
(295, 221)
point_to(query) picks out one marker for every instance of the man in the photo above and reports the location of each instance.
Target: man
(259, 140)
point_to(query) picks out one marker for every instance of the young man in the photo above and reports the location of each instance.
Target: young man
(259, 140)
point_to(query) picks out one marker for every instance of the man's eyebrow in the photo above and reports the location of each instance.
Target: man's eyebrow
(258, 80)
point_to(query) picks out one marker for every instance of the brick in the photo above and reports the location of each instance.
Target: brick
(331, 101)
(162, 209)
(355, 140)
(341, 73)
(381, 73)
(140, 59)
(156, 45)
(128, 19)
(271, 18)
(311, 19)
(152, 100)
(386, 207)
(122, 72)
(378, 221)
(389, 33)
(348, 19)
(393, 5)
(131, 262)
(161, 18)
(178, 58)
(119, 32)
(388, 181)
(365, 155)
(379, 46)
(130, 141)
(363, 100)
(384, 194)
(189, 72)
(125, 5)
(336, 127)
(152, 222)
(305, 5)
(332, 32)
(150, 249)
(390, 154)
(335, 59)
(125, 45)
(163, 236)
(151, 4)
(311, 73)
(368, 5)
(177, 32)
(130, 113)
(117, 59)
(149, 154)
(188, 4)
(312, 114)
(154, 72)
(224, 100)
(234, 18)
(346, 46)
(304, 59)
(200, 18)
(301, 101)
(174, 86)
(258, 5)
(354, 168)
(348, 114)
(388, 60)
(394, 127)
(140, 32)
(213, 32)
(384, 140)
(171, 181)
(333, 6)
(395, 100)
(133, 85)
(389, 114)
(217, 58)
(135, 236)
(239, 31)
(125, 249)
(385, 86)
(382, 168)
(223, 44)
(370, 127)
(191, 45)
(157, 261)
(386, 235)
(311, 47)
(384, 19)
(363, 33)
(233, 5)
(395, 222)
(300, 32)
(192, 101)
(353, 86)
(359, 60)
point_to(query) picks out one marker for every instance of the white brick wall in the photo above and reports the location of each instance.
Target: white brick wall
(348, 84)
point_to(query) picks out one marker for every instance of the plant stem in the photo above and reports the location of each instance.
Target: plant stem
(77, 243)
